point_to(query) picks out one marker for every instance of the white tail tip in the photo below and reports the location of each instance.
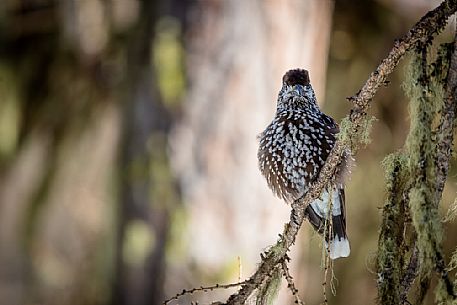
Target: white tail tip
(339, 248)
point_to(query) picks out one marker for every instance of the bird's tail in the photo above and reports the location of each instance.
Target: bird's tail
(335, 235)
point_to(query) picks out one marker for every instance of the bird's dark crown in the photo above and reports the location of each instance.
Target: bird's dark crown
(296, 77)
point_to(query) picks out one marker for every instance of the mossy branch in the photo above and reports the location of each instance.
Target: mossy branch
(447, 124)
(417, 184)
(391, 244)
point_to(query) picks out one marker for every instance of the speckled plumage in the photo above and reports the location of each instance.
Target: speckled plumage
(293, 149)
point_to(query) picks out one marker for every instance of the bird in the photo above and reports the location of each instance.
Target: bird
(293, 149)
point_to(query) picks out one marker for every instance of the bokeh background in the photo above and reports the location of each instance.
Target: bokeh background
(128, 129)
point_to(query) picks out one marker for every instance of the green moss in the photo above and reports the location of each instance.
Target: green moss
(440, 68)
(391, 244)
(427, 225)
(277, 250)
(346, 127)
(442, 296)
(425, 95)
(411, 177)
(269, 290)
(364, 135)
(453, 262)
(352, 135)
(451, 213)
(422, 111)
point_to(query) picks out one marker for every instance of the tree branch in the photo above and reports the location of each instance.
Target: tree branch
(291, 284)
(443, 154)
(427, 27)
(447, 125)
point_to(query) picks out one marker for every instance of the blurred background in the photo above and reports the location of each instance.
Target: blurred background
(128, 167)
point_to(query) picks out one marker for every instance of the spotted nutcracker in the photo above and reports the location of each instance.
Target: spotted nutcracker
(293, 149)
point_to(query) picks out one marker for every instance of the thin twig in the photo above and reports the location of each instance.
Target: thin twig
(328, 231)
(204, 289)
(324, 282)
(291, 284)
(447, 125)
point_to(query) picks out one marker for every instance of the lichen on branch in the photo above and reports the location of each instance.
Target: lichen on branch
(413, 175)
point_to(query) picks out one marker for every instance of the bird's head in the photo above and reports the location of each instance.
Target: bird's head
(296, 77)
(296, 90)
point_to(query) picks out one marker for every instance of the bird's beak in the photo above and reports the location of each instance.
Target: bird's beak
(299, 89)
